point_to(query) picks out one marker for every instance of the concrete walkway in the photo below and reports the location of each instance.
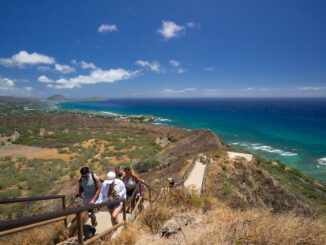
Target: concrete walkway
(195, 178)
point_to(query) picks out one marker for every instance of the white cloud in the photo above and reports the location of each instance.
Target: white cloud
(312, 88)
(154, 66)
(181, 91)
(107, 28)
(6, 84)
(97, 76)
(85, 65)
(169, 30)
(208, 68)
(181, 70)
(44, 68)
(44, 79)
(64, 68)
(174, 63)
(24, 58)
(193, 25)
(74, 62)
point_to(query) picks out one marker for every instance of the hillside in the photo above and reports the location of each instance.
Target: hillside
(276, 202)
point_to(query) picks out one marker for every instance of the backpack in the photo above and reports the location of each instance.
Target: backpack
(81, 187)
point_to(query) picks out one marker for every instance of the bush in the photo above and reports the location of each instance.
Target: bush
(145, 165)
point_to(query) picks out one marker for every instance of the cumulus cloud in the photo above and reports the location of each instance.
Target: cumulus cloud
(96, 76)
(85, 65)
(24, 58)
(107, 28)
(312, 88)
(169, 30)
(153, 66)
(65, 69)
(74, 62)
(7, 86)
(174, 63)
(44, 79)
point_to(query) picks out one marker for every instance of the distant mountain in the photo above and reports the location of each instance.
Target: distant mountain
(57, 97)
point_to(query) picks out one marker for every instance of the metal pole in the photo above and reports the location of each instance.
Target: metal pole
(64, 208)
(80, 229)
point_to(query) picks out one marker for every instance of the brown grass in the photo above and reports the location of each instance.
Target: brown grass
(155, 217)
(49, 234)
(263, 228)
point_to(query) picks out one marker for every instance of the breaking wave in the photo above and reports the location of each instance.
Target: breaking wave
(266, 148)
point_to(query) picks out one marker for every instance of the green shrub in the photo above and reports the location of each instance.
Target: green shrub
(145, 165)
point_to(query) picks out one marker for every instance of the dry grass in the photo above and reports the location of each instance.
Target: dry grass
(155, 217)
(263, 228)
(129, 236)
(49, 234)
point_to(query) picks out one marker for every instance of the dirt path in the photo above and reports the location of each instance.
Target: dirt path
(195, 179)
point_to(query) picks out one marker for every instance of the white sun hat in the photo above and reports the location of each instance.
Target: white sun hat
(110, 177)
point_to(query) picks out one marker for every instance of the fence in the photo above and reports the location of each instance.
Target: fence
(13, 226)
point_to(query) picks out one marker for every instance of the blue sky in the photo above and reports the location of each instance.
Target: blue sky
(163, 48)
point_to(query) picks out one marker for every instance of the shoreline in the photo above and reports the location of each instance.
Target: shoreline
(157, 122)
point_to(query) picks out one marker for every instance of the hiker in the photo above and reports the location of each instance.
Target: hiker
(112, 188)
(90, 185)
(131, 180)
(171, 182)
(118, 172)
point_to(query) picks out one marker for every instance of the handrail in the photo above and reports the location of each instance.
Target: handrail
(39, 198)
(203, 184)
(29, 199)
(11, 224)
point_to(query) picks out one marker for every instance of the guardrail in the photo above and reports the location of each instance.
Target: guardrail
(185, 176)
(203, 184)
(40, 198)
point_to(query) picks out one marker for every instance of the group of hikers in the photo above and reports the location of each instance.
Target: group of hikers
(118, 184)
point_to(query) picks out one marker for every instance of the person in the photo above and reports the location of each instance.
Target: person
(90, 185)
(112, 188)
(171, 182)
(131, 180)
(118, 172)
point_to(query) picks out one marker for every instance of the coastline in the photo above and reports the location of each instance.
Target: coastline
(168, 122)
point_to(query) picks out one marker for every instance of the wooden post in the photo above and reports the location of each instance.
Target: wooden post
(150, 197)
(80, 228)
(64, 208)
(124, 211)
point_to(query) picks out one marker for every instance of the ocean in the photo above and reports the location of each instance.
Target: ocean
(291, 130)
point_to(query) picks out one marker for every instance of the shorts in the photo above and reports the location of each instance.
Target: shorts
(110, 207)
(129, 192)
(86, 200)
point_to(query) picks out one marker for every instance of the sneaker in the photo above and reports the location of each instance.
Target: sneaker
(114, 235)
(95, 224)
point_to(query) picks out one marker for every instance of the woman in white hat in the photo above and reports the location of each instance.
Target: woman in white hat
(112, 188)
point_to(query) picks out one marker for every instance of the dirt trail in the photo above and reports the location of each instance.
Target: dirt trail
(195, 179)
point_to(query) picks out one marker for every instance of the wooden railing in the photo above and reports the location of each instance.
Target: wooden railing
(13, 226)
(40, 198)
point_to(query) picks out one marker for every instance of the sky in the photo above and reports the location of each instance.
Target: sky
(171, 48)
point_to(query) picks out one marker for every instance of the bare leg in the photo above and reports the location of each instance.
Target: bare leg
(114, 215)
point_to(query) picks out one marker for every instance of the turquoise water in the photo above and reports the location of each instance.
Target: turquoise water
(290, 130)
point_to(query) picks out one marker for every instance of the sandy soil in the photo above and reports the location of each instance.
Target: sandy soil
(23, 151)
